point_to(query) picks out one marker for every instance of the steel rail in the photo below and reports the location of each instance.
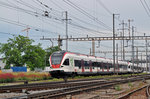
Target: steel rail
(45, 85)
(52, 85)
(148, 92)
(81, 88)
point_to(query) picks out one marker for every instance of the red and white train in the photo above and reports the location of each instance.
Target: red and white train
(63, 64)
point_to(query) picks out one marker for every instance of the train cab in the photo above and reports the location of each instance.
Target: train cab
(60, 64)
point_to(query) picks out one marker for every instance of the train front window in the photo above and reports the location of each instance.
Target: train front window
(66, 62)
(56, 58)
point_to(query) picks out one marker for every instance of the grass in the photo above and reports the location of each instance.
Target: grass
(117, 88)
(130, 84)
(106, 76)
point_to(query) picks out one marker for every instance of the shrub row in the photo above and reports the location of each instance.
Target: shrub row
(11, 77)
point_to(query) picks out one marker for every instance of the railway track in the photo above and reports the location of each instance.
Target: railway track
(148, 91)
(87, 87)
(46, 85)
(140, 93)
(54, 85)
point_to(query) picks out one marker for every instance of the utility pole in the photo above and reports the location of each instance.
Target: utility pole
(93, 47)
(123, 28)
(146, 55)
(121, 45)
(59, 41)
(66, 30)
(90, 51)
(66, 19)
(133, 47)
(129, 20)
(117, 57)
(114, 43)
(105, 55)
(141, 59)
(137, 60)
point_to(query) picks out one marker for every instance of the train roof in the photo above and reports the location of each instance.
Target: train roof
(104, 59)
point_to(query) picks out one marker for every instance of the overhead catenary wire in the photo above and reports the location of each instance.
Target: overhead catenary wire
(103, 5)
(24, 25)
(59, 19)
(70, 23)
(87, 28)
(79, 26)
(61, 8)
(8, 33)
(78, 19)
(33, 13)
(146, 10)
(147, 6)
(38, 14)
(87, 14)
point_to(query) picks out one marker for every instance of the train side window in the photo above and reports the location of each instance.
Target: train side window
(94, 64)
(78, 63)
(129, 67)
(66, 62)
(101, 65)
(86, 63)
(105, 65)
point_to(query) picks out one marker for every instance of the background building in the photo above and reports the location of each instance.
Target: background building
(2, 64)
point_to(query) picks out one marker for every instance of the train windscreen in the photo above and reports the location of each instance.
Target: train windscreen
(56, 58)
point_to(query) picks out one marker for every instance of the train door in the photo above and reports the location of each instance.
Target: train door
(102, 67)
(107, 67)
(71, 61)
(98, 67)
(90, 66)
(82, 65)
(118, 67)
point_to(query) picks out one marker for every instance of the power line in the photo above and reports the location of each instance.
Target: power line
(87, 14)
(28, 5)
(24, 25)
(85, 22)
(74, 23)
(100, 2)
(71, 23)
(80, 20)
(56, 4)
(145, 8)
(47, 6)
(86, 28)
(8, 33)
(147, 5)
(39, 15)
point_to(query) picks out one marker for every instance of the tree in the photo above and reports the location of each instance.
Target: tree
(49, 51)
(20, 50)
(34, 57)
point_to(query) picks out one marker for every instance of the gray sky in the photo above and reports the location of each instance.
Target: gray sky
(16, 15)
